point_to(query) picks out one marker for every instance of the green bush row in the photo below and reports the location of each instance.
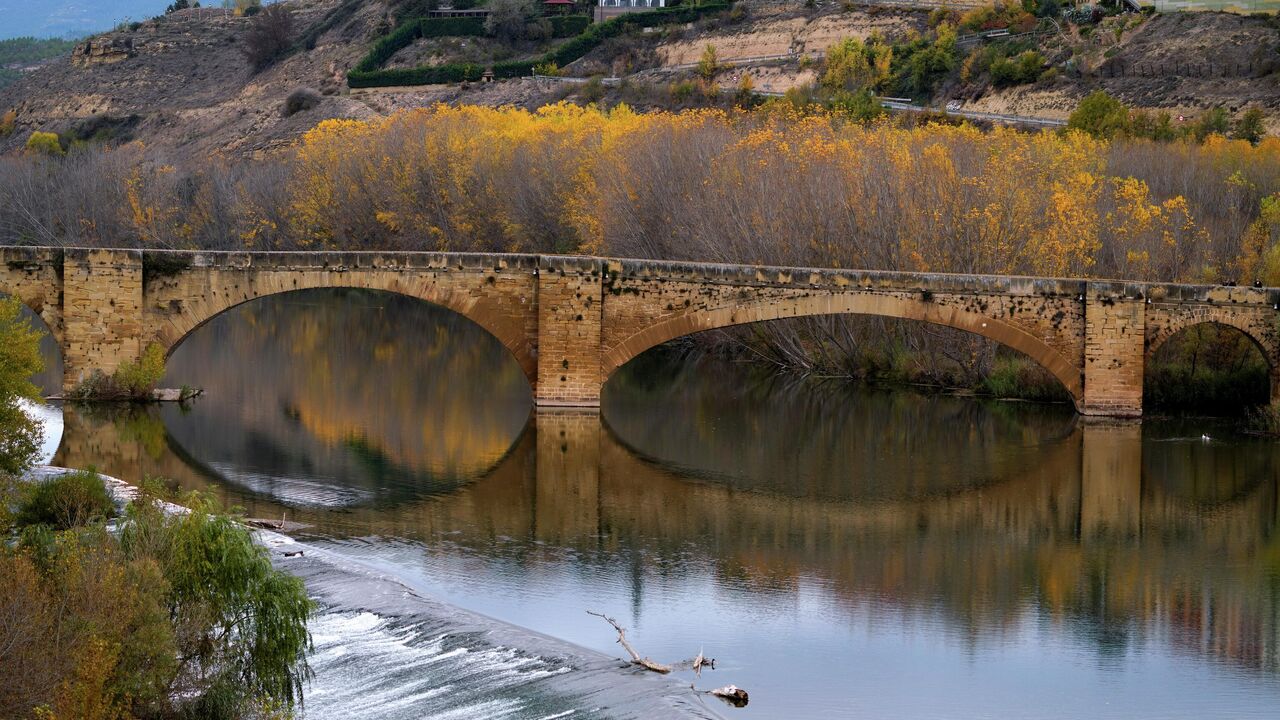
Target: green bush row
(411, 30)
(368, 72)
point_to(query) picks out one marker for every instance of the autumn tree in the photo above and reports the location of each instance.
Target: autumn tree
(19, 361)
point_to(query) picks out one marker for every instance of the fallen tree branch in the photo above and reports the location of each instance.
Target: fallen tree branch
(635, 656)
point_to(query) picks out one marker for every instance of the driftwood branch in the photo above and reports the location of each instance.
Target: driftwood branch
(635, 656)
(731, 694)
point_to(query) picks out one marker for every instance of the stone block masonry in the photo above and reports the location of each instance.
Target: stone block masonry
(571, 321)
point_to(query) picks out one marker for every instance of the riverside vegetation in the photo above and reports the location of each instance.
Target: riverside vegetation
(165, 616)
(781, 184)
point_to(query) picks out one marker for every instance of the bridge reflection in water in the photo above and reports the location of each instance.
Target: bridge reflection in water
(757, 498)
(1091, 530)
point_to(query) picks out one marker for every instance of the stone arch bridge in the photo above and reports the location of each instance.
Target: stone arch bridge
(572, 321)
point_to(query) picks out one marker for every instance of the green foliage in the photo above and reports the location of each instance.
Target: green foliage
(90, 626)
(240, 624)
(133, 380)
(45, 143)
(920, 64)
(1250, 126)
(66, 501)
(1153, 127)
(708, 64)
(548, 69)
(23, 50)
(860, 106)
(1207, 368)
(368, 72)
(19, 361)
(853, 65)
(309, 37)
(1214, 122)
(181, 616)
(563, 26)
(1017, 377)
(1100, 115)
(1019, 70)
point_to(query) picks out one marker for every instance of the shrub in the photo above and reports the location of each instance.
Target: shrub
(549, 69)
(300, 100)
(269, 36)
(7, 123)
(70, 500)
(510, 20)
(563, 26)
(1214, 122)
(1100, 115)
(45, 143)
(853, 65)
(133, 380)
(707, 64)
(1249, 127)
(1022, 69)
(592, 90)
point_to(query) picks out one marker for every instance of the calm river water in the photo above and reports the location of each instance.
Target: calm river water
(841, 552)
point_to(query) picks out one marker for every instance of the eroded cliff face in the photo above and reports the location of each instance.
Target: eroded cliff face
(186, 80)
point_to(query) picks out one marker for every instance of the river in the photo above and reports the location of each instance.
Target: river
(841, 551)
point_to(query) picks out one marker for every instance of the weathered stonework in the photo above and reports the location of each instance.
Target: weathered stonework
(103, 325)
(570, 322)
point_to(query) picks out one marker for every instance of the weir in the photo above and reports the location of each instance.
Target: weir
(571, 321)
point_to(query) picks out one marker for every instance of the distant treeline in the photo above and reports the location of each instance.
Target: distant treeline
(25, 50)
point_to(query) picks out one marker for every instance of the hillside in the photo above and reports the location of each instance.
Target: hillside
(182, 81)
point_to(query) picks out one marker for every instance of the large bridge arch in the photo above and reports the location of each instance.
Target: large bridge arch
(849, 303)
(183, 306)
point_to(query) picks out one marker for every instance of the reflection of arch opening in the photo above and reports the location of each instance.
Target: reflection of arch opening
(194, 314)
(1001, 332)
(330, 390)
(1208, 363)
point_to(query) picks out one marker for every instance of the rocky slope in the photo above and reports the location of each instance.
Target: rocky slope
(182, 81)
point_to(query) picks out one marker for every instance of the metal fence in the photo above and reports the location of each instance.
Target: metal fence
(1239, 6)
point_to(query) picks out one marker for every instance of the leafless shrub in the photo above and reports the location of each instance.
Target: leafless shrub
(269, 36)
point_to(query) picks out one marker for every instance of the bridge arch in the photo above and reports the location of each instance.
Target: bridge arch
(184, 312)
(1261, 328)
(882, 305)
(1267, 343)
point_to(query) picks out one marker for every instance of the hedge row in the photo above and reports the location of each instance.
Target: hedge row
(411, 30)
(368, 73)
(339, 14)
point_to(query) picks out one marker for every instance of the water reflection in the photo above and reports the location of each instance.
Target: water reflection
(843, 550)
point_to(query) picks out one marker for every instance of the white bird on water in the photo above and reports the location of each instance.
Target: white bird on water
(1205, 438)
